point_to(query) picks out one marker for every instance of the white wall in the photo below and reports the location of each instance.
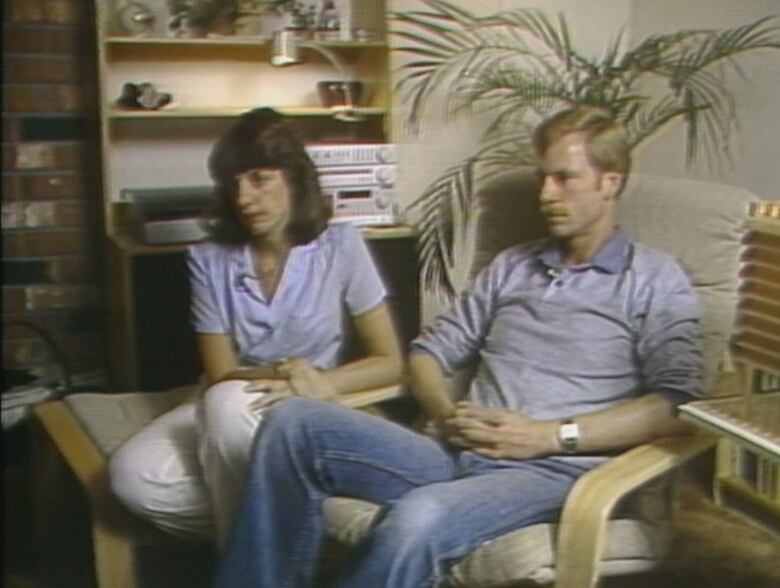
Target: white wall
(756, 148)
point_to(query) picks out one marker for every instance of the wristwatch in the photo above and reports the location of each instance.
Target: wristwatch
(568, 435)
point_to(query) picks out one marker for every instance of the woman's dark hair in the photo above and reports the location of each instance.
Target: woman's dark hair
(262, 138)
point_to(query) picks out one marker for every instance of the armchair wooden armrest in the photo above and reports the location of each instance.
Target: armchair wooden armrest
(111, 523)
(583, 522)
(373, 396)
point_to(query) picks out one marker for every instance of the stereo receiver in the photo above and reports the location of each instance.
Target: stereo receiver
(333, 154)
(359, 179)
(353, 176)
(365, 206)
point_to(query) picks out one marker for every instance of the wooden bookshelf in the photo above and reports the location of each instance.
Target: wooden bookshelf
(747, 468)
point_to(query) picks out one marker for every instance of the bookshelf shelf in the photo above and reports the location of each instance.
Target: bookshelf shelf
(232, 111)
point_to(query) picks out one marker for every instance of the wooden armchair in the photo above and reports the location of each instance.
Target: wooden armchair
(615, 520)
(86, 428)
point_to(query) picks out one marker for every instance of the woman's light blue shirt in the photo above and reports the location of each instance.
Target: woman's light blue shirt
(322, 281)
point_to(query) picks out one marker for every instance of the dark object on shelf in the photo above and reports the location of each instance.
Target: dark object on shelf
(14, 377)
(200, 18)
(143, 96)
(339, 93)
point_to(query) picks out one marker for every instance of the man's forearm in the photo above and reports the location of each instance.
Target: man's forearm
(506, 433)
(429, 386)
(630, 423)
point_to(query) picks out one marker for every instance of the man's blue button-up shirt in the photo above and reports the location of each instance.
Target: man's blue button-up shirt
(555, 341)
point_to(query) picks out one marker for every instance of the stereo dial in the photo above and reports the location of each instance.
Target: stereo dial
(385, 175)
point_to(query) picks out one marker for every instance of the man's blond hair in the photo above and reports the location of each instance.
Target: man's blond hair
(606, 142)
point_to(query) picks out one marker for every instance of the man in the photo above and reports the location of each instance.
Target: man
(585, 341)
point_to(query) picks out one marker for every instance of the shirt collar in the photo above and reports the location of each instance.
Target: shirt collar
(242, 256)
(612, 257)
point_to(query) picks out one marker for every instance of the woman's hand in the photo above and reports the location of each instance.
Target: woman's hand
(302, 379)
(268, 392)
(307, 380)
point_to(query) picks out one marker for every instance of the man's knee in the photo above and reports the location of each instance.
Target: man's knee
(297, 409)
(294, 418)
(419, 516)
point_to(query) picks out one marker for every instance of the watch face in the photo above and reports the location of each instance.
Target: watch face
(570, 432)
(569, 436)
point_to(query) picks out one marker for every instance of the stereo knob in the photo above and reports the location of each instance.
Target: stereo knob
(385, 155)
(382, 202)
(385, 175)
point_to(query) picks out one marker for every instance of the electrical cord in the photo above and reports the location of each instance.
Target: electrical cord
(56, 351)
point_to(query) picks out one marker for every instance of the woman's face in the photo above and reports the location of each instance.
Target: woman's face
(264, 202)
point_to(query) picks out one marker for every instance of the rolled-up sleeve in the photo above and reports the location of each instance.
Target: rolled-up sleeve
(458, 334)
(669, 348)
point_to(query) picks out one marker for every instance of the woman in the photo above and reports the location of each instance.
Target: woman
(269, 293)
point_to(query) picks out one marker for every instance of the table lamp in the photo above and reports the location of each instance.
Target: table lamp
(286, 46)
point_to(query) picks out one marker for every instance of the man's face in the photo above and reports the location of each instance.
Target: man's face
(577, 199)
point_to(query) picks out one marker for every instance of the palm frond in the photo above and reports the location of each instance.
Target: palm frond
(517, 66)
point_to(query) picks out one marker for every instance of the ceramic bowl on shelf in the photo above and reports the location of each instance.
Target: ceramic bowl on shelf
(336, 93)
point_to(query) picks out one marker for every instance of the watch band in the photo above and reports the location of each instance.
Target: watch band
(568, 435)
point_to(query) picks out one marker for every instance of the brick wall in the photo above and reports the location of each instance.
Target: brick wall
(51, 191)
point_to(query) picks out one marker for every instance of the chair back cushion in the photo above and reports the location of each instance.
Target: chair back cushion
(700, 223)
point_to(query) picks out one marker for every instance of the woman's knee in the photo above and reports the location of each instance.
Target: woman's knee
(127, 480)
(225, 403)
(227, 419)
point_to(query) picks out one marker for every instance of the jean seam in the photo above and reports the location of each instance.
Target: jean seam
(339, 456)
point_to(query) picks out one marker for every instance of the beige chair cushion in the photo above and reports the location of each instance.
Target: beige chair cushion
(528, 554)
(110, 419)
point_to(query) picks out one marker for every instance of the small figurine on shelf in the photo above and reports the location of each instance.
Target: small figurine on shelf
(199, 18)
(143, 96)
(328, 20)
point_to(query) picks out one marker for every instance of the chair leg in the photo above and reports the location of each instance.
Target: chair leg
(114, 558)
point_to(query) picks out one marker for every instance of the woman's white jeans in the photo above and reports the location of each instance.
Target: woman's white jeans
(185, 471)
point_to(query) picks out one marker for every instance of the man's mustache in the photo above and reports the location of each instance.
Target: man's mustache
(554, 210)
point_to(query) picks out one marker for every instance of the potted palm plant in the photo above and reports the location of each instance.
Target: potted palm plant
(517, 66)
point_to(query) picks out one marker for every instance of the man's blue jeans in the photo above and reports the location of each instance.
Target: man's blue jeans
(440, 504)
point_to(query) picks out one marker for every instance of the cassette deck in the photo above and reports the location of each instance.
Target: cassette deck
(360, 181)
